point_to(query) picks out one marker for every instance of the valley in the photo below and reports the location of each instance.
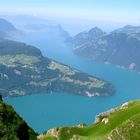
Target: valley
(53, 68)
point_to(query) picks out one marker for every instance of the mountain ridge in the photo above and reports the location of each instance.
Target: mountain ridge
(120, 47)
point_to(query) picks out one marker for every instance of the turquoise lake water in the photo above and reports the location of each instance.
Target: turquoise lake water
(45, 111)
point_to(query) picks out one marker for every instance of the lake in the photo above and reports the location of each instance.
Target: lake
(45, 111)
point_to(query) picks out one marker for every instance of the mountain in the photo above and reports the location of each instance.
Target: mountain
(30, 24)
(24, 70)
(83, 37)
(21, 20)
(12, 126)
(122, 123)
(120, 47)
(50, 29)
(6, 28)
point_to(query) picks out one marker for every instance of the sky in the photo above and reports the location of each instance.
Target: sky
(124, 10)
(110, 11)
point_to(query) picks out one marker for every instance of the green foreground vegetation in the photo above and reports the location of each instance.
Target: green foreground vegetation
(12, 126)
(122, 123)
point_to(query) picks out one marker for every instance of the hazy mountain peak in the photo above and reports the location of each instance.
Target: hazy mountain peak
(128, 26)
(6, 26)
(84, 37)
(96, 32)
(95, 29)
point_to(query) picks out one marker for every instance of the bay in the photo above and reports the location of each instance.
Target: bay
(45, 111)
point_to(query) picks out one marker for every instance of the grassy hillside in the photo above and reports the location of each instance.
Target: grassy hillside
(12, 126)
(116, 124)
(24, 70)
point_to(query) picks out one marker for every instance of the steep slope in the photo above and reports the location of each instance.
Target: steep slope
(6, 28)
(23, 71)
(116, 124)
(120, 47)
(12, 126)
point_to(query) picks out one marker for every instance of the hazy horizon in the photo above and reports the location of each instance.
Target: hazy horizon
(76, 16)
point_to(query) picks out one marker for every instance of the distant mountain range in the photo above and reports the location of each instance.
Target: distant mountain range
(50, 29)
(119, 47)
(29, 24)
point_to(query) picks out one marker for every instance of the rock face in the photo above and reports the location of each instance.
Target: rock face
(23, 71)
(50, 133)
(102, 117)
(122, 123)
(12, 126)
(120, 47)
